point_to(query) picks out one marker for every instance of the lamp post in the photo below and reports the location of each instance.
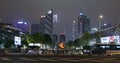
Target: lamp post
(100, 20)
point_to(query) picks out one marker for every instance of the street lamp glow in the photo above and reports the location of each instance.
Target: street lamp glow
(101, 16)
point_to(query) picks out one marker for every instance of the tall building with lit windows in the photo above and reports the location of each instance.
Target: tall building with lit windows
(22, 25)
(62, 38)
(83, 24)
(46, 23)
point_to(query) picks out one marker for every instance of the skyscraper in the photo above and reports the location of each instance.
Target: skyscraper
(35, 28)
(55, 20)
(83, 24)
(22, 26)
(62, 38)
(46, 23)
(74, 30)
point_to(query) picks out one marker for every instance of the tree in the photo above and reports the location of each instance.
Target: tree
(87, 47)
(9, 43)
(47, 40)
(69, 44)
(77, 42)
(37, 38)
(26, 39)
(86, 38)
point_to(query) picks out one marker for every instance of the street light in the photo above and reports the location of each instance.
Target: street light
(101, 16)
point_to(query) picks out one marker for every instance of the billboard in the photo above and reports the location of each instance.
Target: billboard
(17, 40)
(110, 39)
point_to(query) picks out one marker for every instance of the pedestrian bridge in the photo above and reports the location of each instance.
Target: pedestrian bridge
(111, 31)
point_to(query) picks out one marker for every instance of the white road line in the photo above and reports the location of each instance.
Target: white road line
(28, 59)
(89, 59)
(68, 59)
(47, 59)
(101, 60)
(5, 58)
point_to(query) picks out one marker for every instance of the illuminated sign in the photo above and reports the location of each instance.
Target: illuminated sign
(17, 40)
(110, 39)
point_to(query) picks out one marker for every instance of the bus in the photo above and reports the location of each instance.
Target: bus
(105, 49)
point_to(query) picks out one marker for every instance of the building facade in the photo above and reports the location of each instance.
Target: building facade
(22, 26)
(83, 24)
(46, 23)
(62, 38)
(35, 28)
(7, 33)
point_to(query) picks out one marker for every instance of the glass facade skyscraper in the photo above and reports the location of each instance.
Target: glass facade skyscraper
(22, 26)
(83, 24)
(46, 23)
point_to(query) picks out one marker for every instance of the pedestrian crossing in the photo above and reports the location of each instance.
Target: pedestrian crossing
(60, 59)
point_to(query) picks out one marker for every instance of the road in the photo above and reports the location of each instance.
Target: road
(60, 59)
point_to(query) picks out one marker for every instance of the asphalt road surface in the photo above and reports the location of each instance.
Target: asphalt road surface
(60, 59)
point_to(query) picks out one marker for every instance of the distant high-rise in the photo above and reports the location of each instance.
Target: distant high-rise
(46, 23)
(55, 40)
(105, 25)
(22, 26)
(62, 38)
(35, 28)
(93, 30)
(83, 24)
(74, 30)
(55, 20)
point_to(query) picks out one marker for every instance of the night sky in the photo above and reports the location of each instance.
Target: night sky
(67, 10)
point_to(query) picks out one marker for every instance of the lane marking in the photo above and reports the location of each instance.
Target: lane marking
(47, 59)
(28, 59)
(5, 58)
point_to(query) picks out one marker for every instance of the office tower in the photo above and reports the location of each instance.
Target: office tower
(22, 26)
(74, 30)
(55, 20)
(105, 25)
(46, 23)
(62, 38)
(35, 28)
(83, 24)
(55, 40)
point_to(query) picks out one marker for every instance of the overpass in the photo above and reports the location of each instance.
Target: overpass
(113, 30)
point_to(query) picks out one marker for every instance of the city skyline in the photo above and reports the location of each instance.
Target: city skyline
(67, 11)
